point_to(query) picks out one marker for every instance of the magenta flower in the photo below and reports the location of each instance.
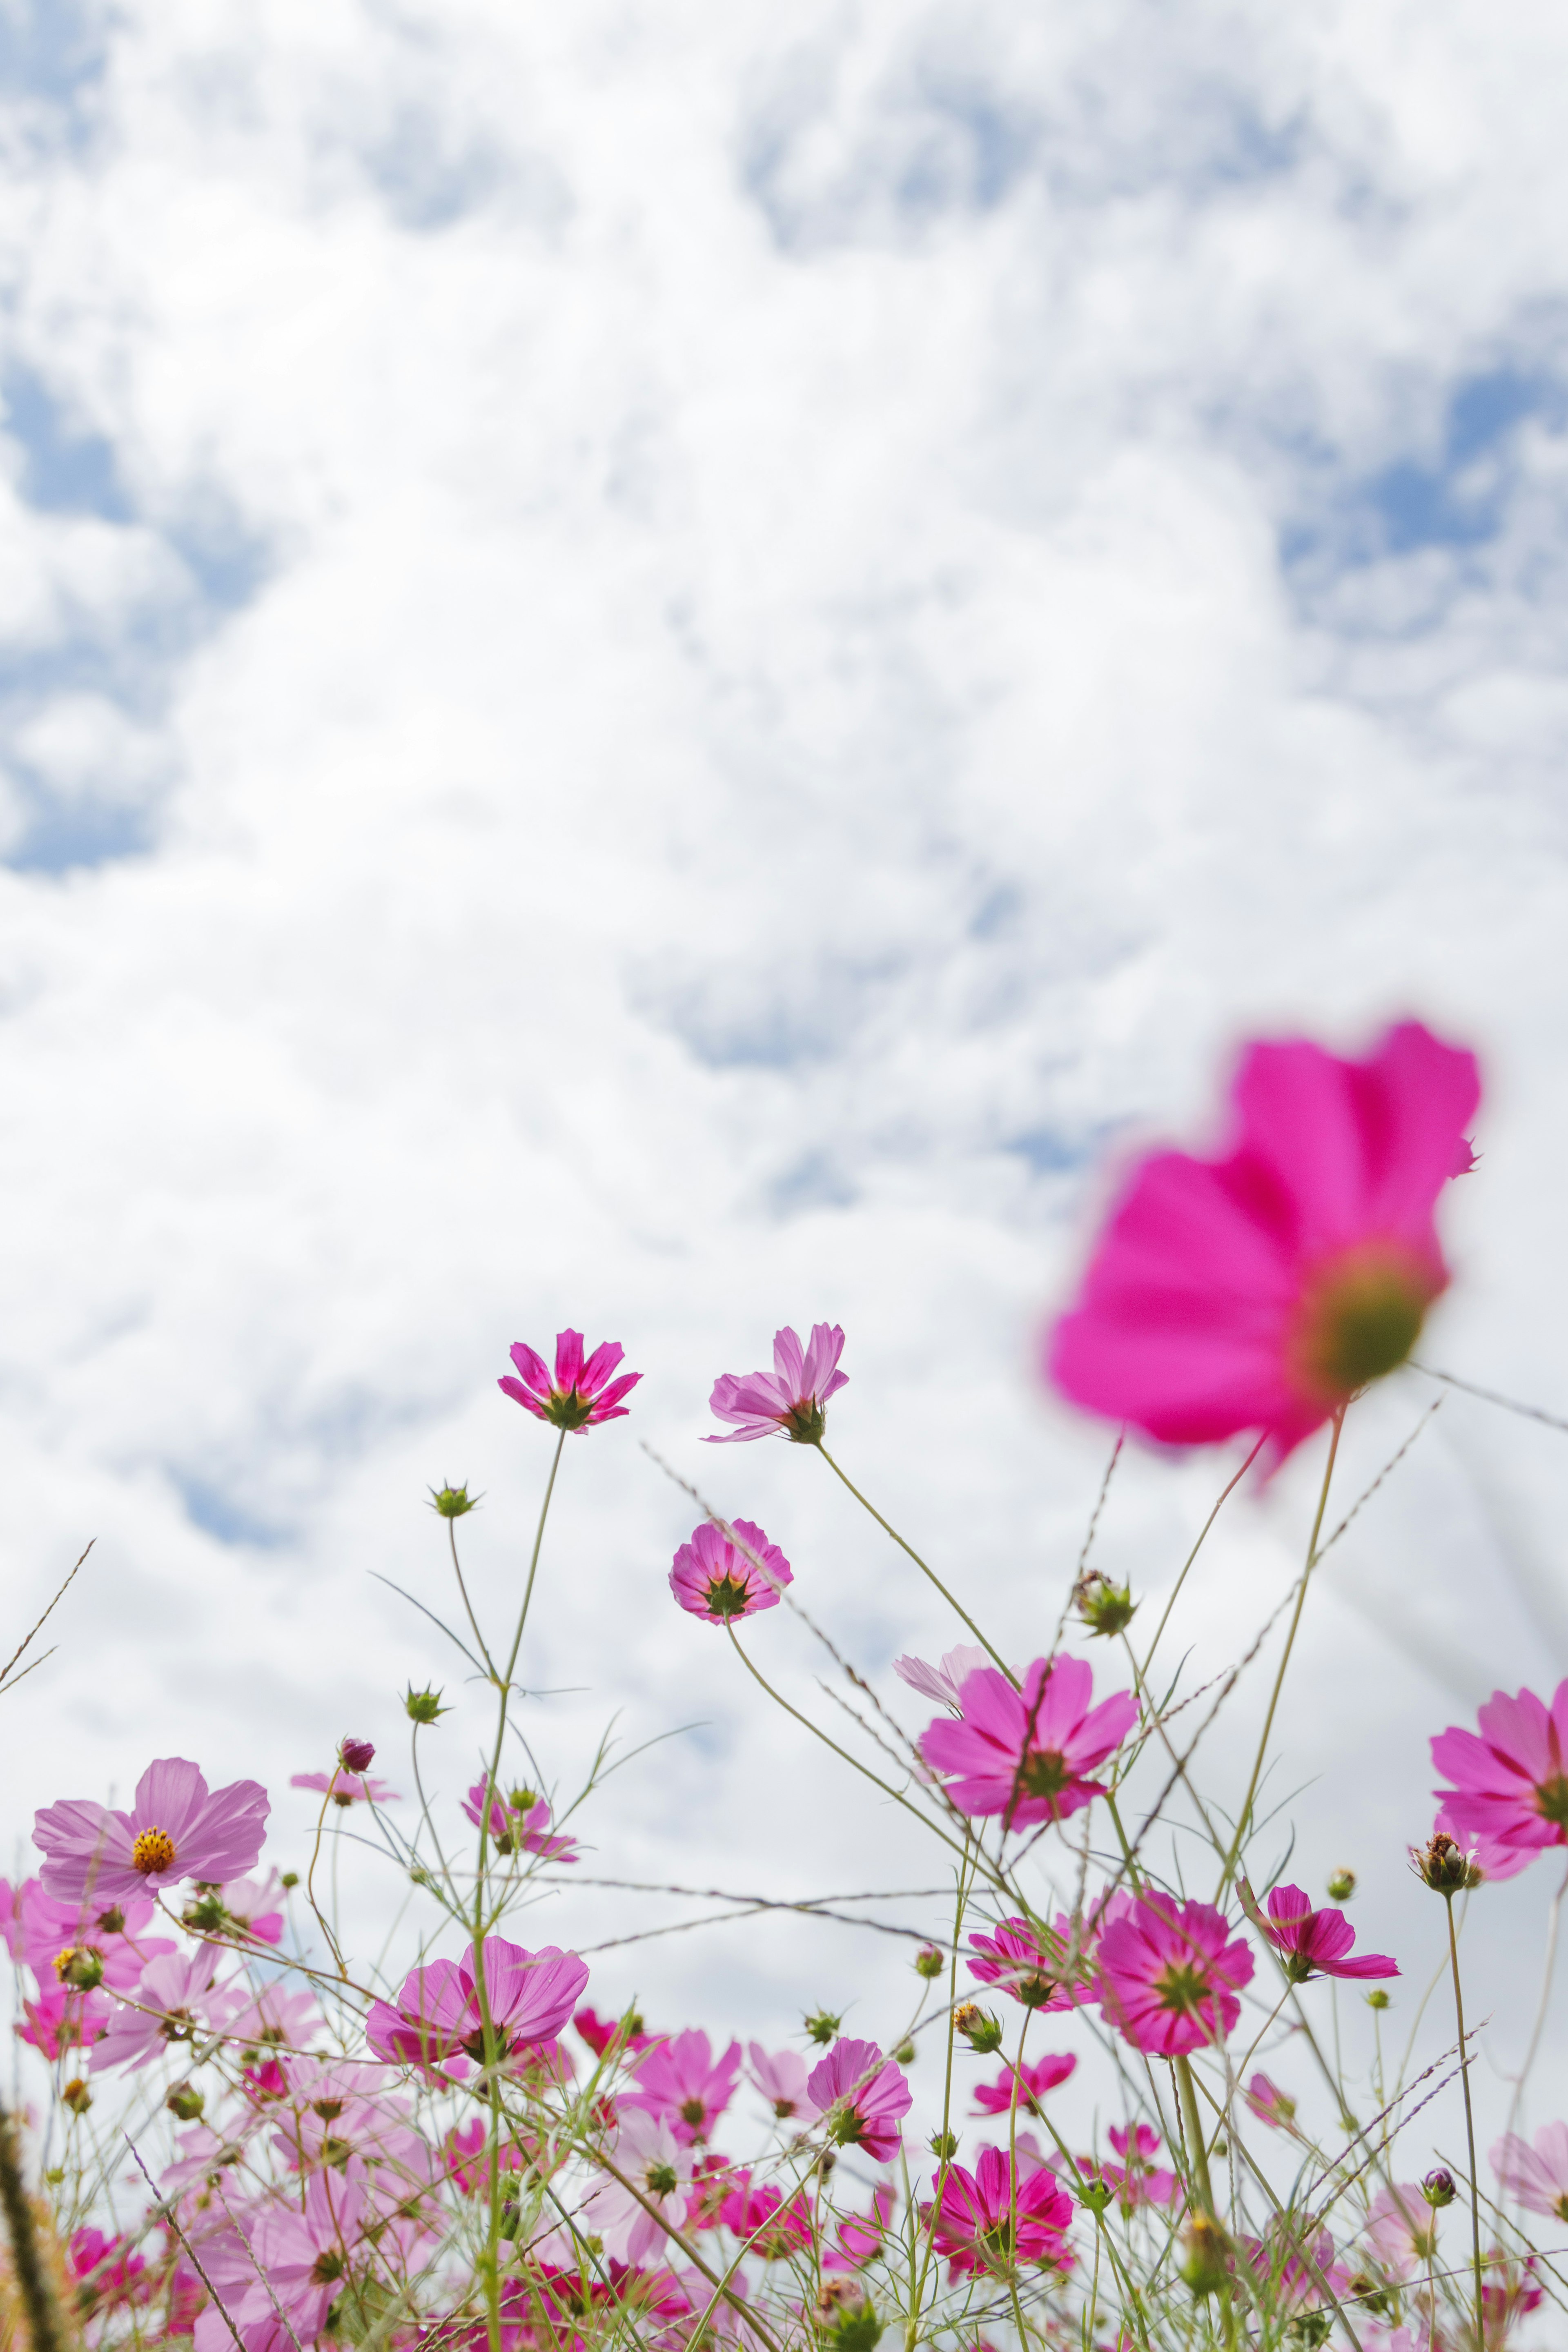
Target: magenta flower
(790, 1398)
(759, 2216)
(1509, 1798)
(346, 1788)
(861, 2097)
(1170, 1977)
(714, 1577)
(1034, 1965)
(436, 2015)
(1262, 1290)
(942, 1683)
(1138, 2180)
(1028, 2084)
(1269, 2104)
(1026, 1753)
(105, 2271)
(582, 1394)
(991, 2220)
(1537, 2175)
(520, 1823)
(174, 1829)
(782, 2082)
(60, 2020)
(860, 2236)
(1314, 1943)
(682, 2079)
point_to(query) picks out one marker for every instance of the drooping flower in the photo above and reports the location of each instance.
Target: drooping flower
(519, 1823)
(646, 2150)
(1315, 1943)
(1259, 1291)
(790, 1399)
(175, 1829)
(1537, 2175)
(582, 1394)
(942, 1683)
(991, 2220)
(715, 1579)
(438, 2015)
(1171, 1975)
(1269, 2104)
(683, 2080)
(1027, 1754)
(861, 2097)
(346, 1788)
(1510, 1797)
(782, 2082)
(1025, 2085)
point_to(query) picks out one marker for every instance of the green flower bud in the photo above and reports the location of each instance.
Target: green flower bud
(928, 1961)
(185, 2101)
(824, 2026)
(290, 1881)
(1205, 2266)
(80, 1965)
(77, 2096)
(904, 2056)
(1105, 1608)
(979, 2028)
(944, 2146)
(454, 1502)
(1341, 1886)
(1378, 1998)
(424, 1706)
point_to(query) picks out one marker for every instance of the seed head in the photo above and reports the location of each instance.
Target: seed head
(1443, 1865)
(80, 1965)
(1105, 1608)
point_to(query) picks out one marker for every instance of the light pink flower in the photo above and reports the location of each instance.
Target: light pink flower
(178, 1999)
(1402, 2228)
(1260, 1290)
(942, 1683)
(1171, 1976)
(347, 1787)
(782, 2082)
(1027, 1754)
(174, 1829)
(256, 1905)
(1138, 2180)
(1510, 1797)
(582, 1393)
(67, 1943)
(519, 1823)
(1537, 2175)
(860, 2236)
(437, 2016)
(296, 2259)
(791, 1399)
(280, 2017)
(647, 2151)
(682, 2079)
(714, 1577)
(1027, 2084)
(991, 2220)
(1316, 1943)
(861, 2097)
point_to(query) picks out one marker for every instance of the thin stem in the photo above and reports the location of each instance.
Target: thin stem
(1241, 1820)
(467, 1604)
(929, 1572)
(1469, 2122)
(1226, 1493)
(1554, 1920)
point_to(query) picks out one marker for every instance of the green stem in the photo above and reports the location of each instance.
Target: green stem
(1470, 2122)
(954, 1604)
(1197, 2152)
(1225, 1494)
(1242, 1817)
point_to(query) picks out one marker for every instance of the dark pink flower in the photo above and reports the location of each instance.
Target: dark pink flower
(1034, 1965)
(582, 1394)
(519, 1823)
(599, 2032)
(860, 2236)
(1171, 1976)
(758, 2214)
(437, 2016)
(1537, 2175)
(683, 2080)
(175, 1829)
(1027, 1754)
(359, 1755)
(345, 1788)
(1138, 2180)
(1260, 1290)
(791, 1399)
(106, 2270)
(1269, 2104)
(713, 1578)
(861, 2097)
(60, 2020)
(1510, 1797)
(990, 2220)
(1028, 2084)
(1316, 1943)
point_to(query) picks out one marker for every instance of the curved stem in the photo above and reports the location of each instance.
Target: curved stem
(1554, 1920)
(1226, 1493)
(1470, 2122)
(954, 1604)
(467, 1604)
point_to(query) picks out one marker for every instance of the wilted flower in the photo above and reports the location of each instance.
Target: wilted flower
(725, 1581)
(1443, 1865)
(582, 1394)
(791, 1399)
(1105, 1608)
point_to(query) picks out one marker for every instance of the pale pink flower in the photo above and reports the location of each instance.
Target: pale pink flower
(346, 1788)
(582, 1393)
(1026, 2086)
(178, 1999)
(791, 1399)
(1402, 2228)
(647, 2151)
(723, 1581)
(437, 2016)
(993, 2219)
(861, 2097)
(256, 1905)
(682, 2079)
(280, 2016)
(297, 2259)
(1171, 1976)
(174, 1829)
(1509, 1798)
(69, 1943)
(860, 2237)
(781, 2079)
(1316, 1943)
(1537, 2175)
(1027, 1754)
(519, 1821)
(942, 1683)
(1138, 2180)
(1260, 1290)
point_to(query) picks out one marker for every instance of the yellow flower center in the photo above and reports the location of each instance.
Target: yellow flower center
(153, 1852)
(1360, 1318)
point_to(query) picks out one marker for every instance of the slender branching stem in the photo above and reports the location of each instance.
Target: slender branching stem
(1470, 2120)
(954, 1604)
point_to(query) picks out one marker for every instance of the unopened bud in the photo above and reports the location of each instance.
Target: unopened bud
(423, 1706)
(1094, 2194)
(944, 2146)
(290, 1881)
(80, 1967)
(1105, 1608)
(1204, 2267)
(1378, 1998)
(979, 2028)
(847, 2316)
(928, 1961)
(185, 2101)
(453, 1502)
(77, 2096)
(904, 2056)
(206, 1915)
(1342, 1886)
(1443, 1865)
(359, 1755)
(1438, 2188)
(823, 2026)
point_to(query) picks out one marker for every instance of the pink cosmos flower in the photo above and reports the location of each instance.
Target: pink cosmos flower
(791, 1399)
(1402, 2228)
(759, 2216)
(599, 2032)
(989, 2219)
(1269, 2104)
(1035, 1965)
(84, 1943)
(647, 2151)
(713, 1578)
(582, 1393)
(254, 1904)
(178, 1999)
(1138, 2180)
(1170, 1975)
(860, 2237)
(1028, 2084)
(682, 2079)
(942, 1683)
(1537, 2175)
(1027, 1754)
(1260, 1290)
(174, 1829)
(861, 2097)
(296, 2261)
(782, 2082)
(1509, 1795)
(61, 2020)
(346, 1788)
(437, 2016)
(519, 1823)
(106, 2270)
(278, 2017)
(1316, 1943)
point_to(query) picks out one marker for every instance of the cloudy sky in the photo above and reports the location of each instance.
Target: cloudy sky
(664, 667)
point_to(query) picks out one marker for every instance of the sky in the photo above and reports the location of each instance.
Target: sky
(675, 669)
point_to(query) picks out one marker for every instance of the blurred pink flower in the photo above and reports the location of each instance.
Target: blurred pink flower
(1316, 1943)
(107, 2271)
(175, 1829)
(599, 2032)
(61, 2020)
(989, 2220)
(782, 2081)
(1537, 2175)
(1138, 2180)
(582, 1394)
(1027, 1754)
(519, 1823)
(758, 2214)
(714, 1578)
(1170, 1975)
(1269, 2104)
(257, 1904)
(1509, 1798)
(176, 1997)
(436, 2015)
(860, 2237)
(302, 2257)
(942, 1683)
(1260, 1290)
(1031, 1964)
(647, 2151)
(1032, 2083)
(861, 2097)
(683, 2080)
(1402, 2228)
(791, 1399)
(347, 1787)
(65, 1942)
